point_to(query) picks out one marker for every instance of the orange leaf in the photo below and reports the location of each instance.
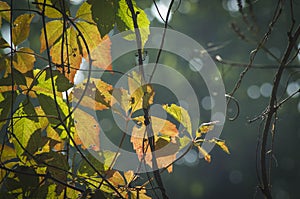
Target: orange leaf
(101, 54)
(207, 157)
(97, 95)
(87, 130)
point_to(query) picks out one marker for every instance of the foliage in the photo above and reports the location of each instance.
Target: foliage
(44, 135)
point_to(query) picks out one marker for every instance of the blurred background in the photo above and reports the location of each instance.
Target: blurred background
(210, 23)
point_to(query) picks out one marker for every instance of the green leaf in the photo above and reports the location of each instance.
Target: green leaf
(5, 106)
(54, 31)
(49, 107)
(142, 20)
(104, 13)
(24, 60)
(21, 28)
(181, 115)
(24, 128)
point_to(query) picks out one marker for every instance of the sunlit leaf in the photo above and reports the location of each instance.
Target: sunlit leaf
(24, 60)
(203, 152)
(221, 144)
(205, 127)
(87, 129)
(166, 142)
(49, 11)
(181, 115)
(21, 28)
(54, 32)
(71, 54)
(56, 142)
(49, 107)
(142, 20)
(101, 54)
(24, 128)
(84, 13)
(97, 96)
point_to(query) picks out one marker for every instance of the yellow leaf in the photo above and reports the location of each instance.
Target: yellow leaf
(71, 54)
(205, 127)
(24, 60)
(91, 35)
(84, 13)
(49, 11)
(4, 14)
(97, 96)
(222, 145)
(87, 130)
(21, 28)
(54, 32)
(207, 157)
(180, 114)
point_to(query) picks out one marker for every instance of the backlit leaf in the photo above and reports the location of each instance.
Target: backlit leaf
(166, 142)
(71, 55)
(181, 115)
(203, 152)
(24, 60)
(101, 54)
(142, 20)
(84, 13)
(3, 42)
(97, 96)
(87, 129)
(21, 28)
(205, 127)
(221, 144)
(49, 11)
(54, 32)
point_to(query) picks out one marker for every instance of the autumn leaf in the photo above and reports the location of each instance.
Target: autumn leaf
(180, 114)
(165, 134)
(97, 96)
(4, 14)
(87, 130)
(205, 127)
(203, 152)
(24, 60)
(71, 54)
(54, 30)
(221, 144)
(49, 11)
(21, 28)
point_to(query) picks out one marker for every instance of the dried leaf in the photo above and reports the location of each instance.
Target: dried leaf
(221, 144)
